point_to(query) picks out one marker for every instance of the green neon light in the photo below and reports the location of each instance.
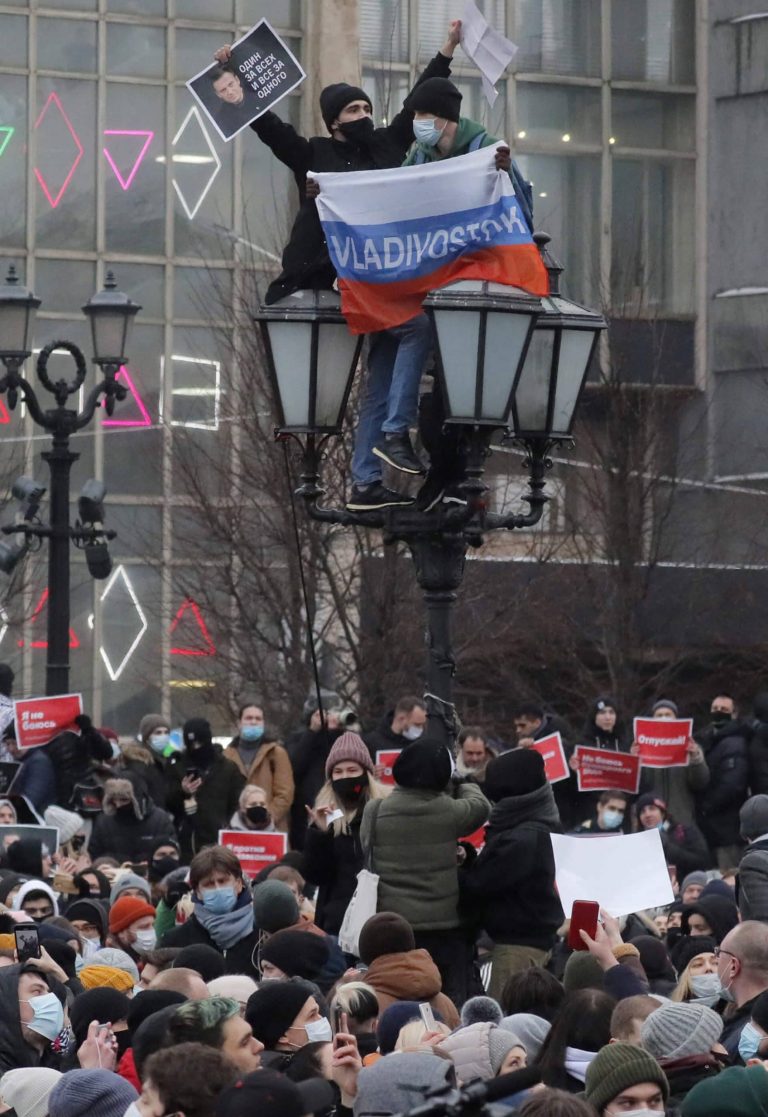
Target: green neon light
(9, 130)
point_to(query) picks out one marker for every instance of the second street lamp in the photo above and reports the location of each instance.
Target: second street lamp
(506, 360)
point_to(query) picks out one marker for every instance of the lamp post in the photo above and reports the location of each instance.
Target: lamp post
(110, 314)
(506, 360)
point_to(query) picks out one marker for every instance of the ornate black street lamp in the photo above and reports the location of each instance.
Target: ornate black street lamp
(111, 314)
(506, 361)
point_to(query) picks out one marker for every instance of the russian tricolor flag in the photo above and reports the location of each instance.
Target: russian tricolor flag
(395, 235)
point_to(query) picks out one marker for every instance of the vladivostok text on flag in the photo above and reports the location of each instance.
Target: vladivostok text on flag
(395, 235)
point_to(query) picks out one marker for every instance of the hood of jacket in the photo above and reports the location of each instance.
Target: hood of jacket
(407, 976)
(535, 806)
(35, 886)
(14, 1050)
(138, 752)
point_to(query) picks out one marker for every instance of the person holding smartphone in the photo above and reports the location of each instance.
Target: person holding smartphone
(204, 788)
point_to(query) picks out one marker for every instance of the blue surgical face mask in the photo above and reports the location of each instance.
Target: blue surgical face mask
(706, 988)
(252, 732)
(426, 132)
(612, 819)
(318, 1031)
(48, 1016)
(749, 1041)
(159, 742)
(219, 901)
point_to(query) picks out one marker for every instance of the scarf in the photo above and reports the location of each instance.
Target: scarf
(577, 1062)
(228, 929)
(514, 810)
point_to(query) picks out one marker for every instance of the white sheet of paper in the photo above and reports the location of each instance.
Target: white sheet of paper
(626, 873)
(490, 51)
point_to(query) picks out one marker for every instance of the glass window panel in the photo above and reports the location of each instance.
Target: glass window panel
(739, 332)
(475, 105)
(221, 12)
(435, 15)
(138, 7)
(13, 41)
(384, 30)
(575, 347)
(558, 37)
(66, 44)
(65, 160)
(135, 51)
(532, 392)
(654, 120)
(280, 13)
(202, 293)
(389, 88)
(145, 284)
(134, 151)
(13, 159)
(194, 50)
(132, 440)
(202, 178)
(139, 530)
(65, 285)
(654, 40)
(566, 204)
(68, 6)
(653, 236)
(458, 333)
(554, 112)
(192, 385)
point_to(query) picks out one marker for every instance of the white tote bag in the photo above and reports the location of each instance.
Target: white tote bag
(359, 910)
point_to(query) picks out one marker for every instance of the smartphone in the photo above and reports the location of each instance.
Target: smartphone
(427, 1016)
(338, 1025)
(583, 918)
(193, 773)
(27, 942)
(77, 842)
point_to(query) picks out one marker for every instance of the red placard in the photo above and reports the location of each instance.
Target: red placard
(255, 849)
(39, 720)
(555, 764)
(386, 758)
(663, 741)
(607, 770)
(476, 839)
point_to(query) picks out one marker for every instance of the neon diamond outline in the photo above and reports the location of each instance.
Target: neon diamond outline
(194, 111)
(9, 131)
(38, 175)
(125, 183)
(146, 419)
(3, 623)
(215, 392)
(115, 672)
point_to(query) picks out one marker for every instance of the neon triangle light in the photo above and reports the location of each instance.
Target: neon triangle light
(145, 420)
(53, 202)
(209, 648)
(9, 130)
(126, 182)
(42, 604)
(4, 416)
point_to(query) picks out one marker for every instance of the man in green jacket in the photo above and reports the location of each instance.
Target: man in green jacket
(410, 838)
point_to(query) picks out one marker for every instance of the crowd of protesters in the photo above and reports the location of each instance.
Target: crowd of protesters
(163, 979)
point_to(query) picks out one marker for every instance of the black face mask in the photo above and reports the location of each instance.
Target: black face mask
(125, 811)
(350, 789)
(719, 719)
(202, 756)
(161, 866)
(358, 131)
(258, 816)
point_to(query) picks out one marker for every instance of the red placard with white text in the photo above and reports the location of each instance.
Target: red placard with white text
(386, 758)
(39, 720)
(663, 742)
(255, 849)
(607, 770)
(555, 764)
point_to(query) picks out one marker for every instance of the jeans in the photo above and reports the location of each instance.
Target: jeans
(390, 397)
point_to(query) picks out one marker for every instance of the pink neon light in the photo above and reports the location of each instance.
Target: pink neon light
(145, 420)
(189, 604)
(126, 182)
(53, 202)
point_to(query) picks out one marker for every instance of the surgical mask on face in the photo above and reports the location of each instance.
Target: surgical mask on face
(749, 1041)
(427, 132)
(219, 901)
(145, 940)
(48, 1016)
(133, 1111)
(706, 987)
(90, 947)
(252, 732)
(725, 992)
(413, 732)
(318, 1031)
(159, 743)
(612, 819)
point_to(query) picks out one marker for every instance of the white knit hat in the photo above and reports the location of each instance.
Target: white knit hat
(27, 1089)
(66, 822)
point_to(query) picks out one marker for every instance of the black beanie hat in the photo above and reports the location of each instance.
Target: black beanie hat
(517, 772)
(437, 95)
(425, 765)
(148, 1002)
(89, 911)
(336, 97)
(25, 856)
(296, 953)
(6, 679)
(201, 958)
(151, 1035)
(96, 1004)
(273, 1008)
(689, 947)
(197, 731)
(385, 933)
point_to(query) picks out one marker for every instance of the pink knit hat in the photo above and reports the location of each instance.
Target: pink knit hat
(349, 746)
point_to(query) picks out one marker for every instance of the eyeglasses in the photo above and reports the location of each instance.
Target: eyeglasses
(719, 950)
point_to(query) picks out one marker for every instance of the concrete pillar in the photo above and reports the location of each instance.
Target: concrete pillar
(331, 54)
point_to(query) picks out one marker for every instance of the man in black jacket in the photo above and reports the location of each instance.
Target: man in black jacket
(308, 753)
(511, 885)
(533, 724)
(725, 744)
(203, 788)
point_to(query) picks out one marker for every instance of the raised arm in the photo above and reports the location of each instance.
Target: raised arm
(401, 127)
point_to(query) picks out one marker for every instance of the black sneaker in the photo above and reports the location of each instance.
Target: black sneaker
(453, 494)
(367, 498)
(430, 494)
(396, 450)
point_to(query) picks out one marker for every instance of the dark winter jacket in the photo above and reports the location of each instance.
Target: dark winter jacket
(217, 801)
(332, 862)
(14, 1050)
(721, 914)
(511, 886)
(239, 958)
(752, 882)
(414, 834)
(684, 847)
(734, 1021)
(684, 1074)
(308, 753)
(146, 772)
(566, 791)
(130, 839)
(718, 805)
(36, 779)
(305, 263)
(383, 738)
(758, 746)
